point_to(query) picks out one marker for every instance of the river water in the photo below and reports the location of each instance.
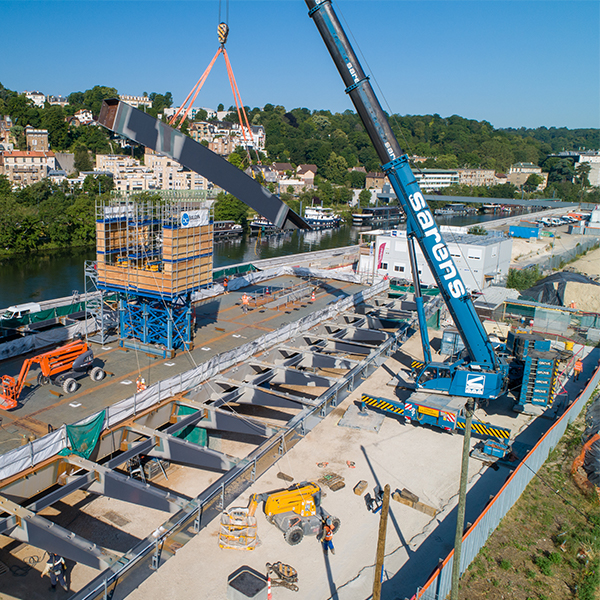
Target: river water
(36, 277)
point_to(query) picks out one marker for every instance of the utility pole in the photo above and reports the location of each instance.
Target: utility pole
(381, 542)
(462, 498)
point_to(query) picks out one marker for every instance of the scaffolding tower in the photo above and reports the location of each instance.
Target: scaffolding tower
(154, 251)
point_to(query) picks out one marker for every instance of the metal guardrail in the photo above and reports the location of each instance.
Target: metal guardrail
(439, 584)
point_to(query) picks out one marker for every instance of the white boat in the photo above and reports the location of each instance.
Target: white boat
(260, 224)
(319, 217)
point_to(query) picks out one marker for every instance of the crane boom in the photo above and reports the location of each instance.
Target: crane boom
(491, 372)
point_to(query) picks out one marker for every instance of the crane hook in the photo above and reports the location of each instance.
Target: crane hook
(222, 33)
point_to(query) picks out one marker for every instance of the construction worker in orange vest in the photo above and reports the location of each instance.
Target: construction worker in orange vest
(140, 384)
(328, 536)
(245, 302)
(578, 368)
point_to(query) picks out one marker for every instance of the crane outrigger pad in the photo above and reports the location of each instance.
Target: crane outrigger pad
(144, 129)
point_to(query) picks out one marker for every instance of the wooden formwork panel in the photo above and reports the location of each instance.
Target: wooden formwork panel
(189, 275)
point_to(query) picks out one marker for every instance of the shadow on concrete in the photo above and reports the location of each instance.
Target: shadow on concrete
(423, 561)
(391, 512)
(332, 587)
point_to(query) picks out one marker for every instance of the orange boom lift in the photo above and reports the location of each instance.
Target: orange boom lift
(61, 366)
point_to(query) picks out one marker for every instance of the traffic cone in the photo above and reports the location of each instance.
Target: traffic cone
(312, 297)
(268, 292)
(269, 592)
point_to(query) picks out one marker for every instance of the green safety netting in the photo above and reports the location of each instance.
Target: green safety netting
(230, 271)
(191, 433)
(83, 438)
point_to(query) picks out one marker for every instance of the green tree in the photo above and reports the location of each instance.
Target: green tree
(53, 119)
(524, 278)
(229, 208)
(561, 171)
(582, 172)
(82, 159)
(364, 198)
(532, 183)
(357, 179)
(335, 168)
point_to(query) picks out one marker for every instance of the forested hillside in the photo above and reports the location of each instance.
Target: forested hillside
(45, 215)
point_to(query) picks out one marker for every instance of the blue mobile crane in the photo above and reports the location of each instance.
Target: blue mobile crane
(483, 374)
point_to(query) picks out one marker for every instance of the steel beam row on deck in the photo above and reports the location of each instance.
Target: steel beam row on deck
(288, 377)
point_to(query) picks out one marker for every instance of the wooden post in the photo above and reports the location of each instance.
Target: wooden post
(381, 543)
(462, 499)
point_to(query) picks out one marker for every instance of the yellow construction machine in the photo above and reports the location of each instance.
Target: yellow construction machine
(296, 510)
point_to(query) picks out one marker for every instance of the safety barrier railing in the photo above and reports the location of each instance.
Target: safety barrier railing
(439, 584)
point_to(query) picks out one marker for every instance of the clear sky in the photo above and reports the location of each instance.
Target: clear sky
(512, 63)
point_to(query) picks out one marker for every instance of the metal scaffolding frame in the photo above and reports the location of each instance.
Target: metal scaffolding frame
(154, 252)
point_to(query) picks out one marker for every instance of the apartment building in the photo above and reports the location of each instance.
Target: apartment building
(171, 175)
(375, 180)
(430, 180)
(136, 101)
(224, 137)
(23, 167)
(37, 98)
(37, 139)
(477, 177)
(520, 172)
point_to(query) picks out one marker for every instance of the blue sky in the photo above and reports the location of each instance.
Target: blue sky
(512, 63)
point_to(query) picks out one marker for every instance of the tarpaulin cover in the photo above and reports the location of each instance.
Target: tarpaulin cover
(44, 315)
(191, 433)
(551, 290)
(591, 463)
(51, 337)
(229, 271)
(83, 436)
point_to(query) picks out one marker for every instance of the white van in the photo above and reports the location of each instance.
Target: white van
(20, 310)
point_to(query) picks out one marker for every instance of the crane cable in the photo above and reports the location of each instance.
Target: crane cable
(222, 34)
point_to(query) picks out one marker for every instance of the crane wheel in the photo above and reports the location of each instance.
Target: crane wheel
(69, 385)
(97, 374)
(293, 536)
(42, 379)
(335, 524)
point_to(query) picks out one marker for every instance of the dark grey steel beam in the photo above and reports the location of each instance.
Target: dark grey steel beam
(152, 133)
(283, 376)
(258, 396)
(311, 358)
(169, 447)
(220, 420)
(42, 533)
(121, 487)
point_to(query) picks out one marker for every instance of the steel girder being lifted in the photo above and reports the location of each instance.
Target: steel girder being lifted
(140, 127)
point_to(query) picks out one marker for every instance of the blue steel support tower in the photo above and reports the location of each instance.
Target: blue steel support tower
(155, 252)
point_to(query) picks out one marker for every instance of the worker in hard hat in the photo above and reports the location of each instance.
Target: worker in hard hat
(55, 567)
(328, 536)
(140, 383)
(245, 302)
(578, 368)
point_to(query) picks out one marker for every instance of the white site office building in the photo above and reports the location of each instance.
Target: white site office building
(481, 260)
